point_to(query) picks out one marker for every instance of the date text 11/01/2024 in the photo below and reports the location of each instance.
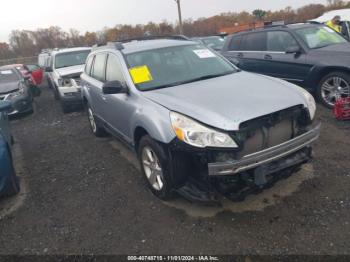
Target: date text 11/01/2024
(172, 258)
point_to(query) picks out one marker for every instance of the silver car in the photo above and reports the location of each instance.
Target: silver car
(199, 125)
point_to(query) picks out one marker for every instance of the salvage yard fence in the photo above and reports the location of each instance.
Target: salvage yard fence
(19, 60)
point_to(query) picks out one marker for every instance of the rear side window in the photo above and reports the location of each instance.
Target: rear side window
(235, 43)
(89, 65)
(113, 70)
(98, 70)
(280, 41)
(254, 42)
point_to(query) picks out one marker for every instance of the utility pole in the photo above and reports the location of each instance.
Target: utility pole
(178, 2)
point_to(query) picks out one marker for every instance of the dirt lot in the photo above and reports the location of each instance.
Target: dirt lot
(85, 195)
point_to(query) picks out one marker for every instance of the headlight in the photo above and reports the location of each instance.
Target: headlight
(195, 134)
(64, 82)
(310, 101)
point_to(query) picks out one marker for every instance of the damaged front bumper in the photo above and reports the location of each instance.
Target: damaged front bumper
(236, 177)
(266, 156)
(70, 95)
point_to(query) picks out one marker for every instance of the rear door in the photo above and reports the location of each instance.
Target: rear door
(248, 50)
(95, 84)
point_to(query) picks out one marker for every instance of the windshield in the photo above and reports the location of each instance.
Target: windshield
(173, 66)
(71, 59)
(320, 36)
(214, 42)
(8, 76)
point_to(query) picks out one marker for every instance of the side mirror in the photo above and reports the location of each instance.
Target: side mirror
(48, 69)
(5, 106)
(293, 50)
(113, 87)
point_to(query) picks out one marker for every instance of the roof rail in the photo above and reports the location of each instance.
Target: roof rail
(113, 45)
(119, 43)
(152, 37)
(274, 24)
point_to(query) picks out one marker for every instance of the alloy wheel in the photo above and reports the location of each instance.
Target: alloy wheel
(334, 88)
(92, 120)
(152, 168)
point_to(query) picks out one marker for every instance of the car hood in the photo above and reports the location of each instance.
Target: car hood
(70, 71)
(226, 102)
(8, 87)
(341, 49)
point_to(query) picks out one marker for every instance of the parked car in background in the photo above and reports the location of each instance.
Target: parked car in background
(36, 72)
(345, 17)
(8, 181)
(310, 55)
(198, 124)
(15, 89)
(33, 73)
(44, 58)
(66, 66)
(214, 42)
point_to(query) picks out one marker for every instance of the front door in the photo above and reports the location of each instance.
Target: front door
(278, 62)
(117, 108)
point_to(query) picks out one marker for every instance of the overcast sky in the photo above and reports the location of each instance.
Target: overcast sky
(93, 15)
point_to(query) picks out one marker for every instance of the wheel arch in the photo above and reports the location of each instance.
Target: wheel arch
(138, 134)
(155, 130)
(320, 73)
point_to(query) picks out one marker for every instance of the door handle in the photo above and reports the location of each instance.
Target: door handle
(239, 55)
(104, 98)
(268, 57)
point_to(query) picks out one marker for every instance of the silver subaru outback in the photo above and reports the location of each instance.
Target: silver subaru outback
(200, 126)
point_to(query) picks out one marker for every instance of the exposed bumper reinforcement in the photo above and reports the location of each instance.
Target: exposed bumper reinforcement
(266, 156)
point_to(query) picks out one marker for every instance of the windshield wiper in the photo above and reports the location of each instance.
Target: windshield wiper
(205, 77)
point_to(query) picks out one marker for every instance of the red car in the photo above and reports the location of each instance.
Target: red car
(33, 72)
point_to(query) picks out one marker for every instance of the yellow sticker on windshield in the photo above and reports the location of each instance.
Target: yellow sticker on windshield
(140, 74)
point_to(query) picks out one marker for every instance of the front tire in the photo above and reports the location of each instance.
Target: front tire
(163, 171)
(332, 87)
(155, 167)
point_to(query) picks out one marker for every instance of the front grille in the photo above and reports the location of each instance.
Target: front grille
(271, 130)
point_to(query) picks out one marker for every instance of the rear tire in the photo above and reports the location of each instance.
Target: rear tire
(333, 86)
(96, 129)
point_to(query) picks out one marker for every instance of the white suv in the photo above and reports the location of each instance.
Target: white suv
(64, 71)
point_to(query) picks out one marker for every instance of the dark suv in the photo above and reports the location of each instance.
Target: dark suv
(312, 56)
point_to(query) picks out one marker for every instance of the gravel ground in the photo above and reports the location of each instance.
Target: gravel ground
(84, 197)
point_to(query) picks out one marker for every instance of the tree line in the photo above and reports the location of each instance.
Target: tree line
(25, 43)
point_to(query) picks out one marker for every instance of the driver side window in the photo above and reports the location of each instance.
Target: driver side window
(280, 41)
(113, 69)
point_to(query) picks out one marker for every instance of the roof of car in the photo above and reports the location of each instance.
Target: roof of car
(8, 67)
(145, 45)
(279, 27)
(68, 50)
(206, 37)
